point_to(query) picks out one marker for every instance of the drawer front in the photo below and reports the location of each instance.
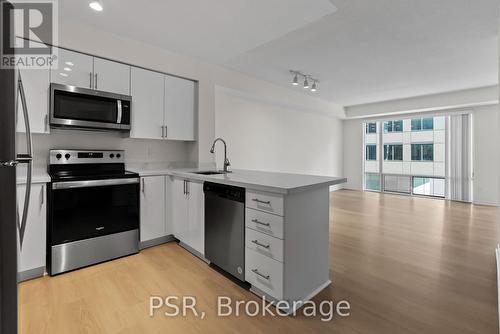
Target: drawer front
(264, 222)
(264, 273)
(268, 202)
(264, 244)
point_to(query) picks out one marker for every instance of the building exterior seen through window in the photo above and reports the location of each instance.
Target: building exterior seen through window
(406, 156)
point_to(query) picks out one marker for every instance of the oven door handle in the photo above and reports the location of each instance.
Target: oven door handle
(92, 183)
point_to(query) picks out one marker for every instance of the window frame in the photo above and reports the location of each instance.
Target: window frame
(421, 154)
(392, 128)
(393, 145)
(367, 128)
(366, 152)
(421, 122)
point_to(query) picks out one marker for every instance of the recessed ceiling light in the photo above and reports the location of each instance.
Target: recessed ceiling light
(63, 74)
(68, 69)
(69, 63)
(96, 5)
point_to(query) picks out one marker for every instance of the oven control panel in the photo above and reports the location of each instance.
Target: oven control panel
(59, 157)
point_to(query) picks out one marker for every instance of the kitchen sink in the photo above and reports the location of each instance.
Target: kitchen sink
(209, 172)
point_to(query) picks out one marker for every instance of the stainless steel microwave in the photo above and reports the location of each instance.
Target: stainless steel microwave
(88, 109)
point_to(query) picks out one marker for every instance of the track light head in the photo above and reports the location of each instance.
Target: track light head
(295, 81)
(306, 83)
(314, 87)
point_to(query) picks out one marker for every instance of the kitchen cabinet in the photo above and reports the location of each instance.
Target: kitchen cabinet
(81, 70)
(147, 89)
(36, 89)
(180, 104)
(153, 202)
(111, 76)
(74, 69)
(32, 254)
(188, 214)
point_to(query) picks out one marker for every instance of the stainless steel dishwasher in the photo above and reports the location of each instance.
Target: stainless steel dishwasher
(225, 228)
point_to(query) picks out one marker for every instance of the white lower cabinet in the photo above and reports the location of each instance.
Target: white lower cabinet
(153, 212)
(32, 255)
(188, 214)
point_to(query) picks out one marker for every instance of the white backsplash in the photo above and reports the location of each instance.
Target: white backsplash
(143, 151)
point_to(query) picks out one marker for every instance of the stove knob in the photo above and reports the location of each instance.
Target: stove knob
(67, 156)
(58, 156)
(118, 155)
(111, 155)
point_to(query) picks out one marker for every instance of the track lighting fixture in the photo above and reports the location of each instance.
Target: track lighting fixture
(307, 80)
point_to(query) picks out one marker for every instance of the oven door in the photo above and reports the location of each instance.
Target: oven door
(87, 209)
(87, 108)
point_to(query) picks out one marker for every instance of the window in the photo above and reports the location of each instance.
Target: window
(393, 152)
(393, 126)
(428, 186)
(371, 152)
(371, 127)
(397, 183)
(372, 182)
(418, 124)
(422, 152)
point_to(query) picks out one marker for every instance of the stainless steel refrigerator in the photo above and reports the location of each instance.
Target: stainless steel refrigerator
(12, 223)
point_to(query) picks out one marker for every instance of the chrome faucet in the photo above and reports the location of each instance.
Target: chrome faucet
(226, 160)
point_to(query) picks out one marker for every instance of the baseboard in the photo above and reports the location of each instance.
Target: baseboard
(193, 251)
(486, 203)
(298, 303)
(156, 241)
(30, 274)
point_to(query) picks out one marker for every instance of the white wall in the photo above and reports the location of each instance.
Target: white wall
(87, 39)
(271, 135)
(486, 161)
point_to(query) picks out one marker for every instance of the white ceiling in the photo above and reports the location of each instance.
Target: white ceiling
(361, 50)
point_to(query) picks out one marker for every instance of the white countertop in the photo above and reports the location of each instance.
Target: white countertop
(39, 175)
(282, 183)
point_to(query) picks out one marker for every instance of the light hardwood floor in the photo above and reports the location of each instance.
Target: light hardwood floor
(406, 265)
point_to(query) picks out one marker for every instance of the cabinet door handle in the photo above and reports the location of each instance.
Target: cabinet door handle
(95, 75)
(143, 185)
(162, 131)
(184, 187)
(261, 245)
(42, 196)
(166, 132)
(256, 221)
(187, 187)
(261, 275)
(90, 84)
(46, 123)
(261, 201)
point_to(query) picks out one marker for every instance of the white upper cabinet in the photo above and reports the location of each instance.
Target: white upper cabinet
(110, 76)
(180, 104)
(74, 68)
(36, 90)
(147, 89)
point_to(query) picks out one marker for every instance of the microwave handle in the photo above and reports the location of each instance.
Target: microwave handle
(119, 107)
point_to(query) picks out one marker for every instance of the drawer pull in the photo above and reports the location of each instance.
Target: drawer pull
(261, 245)
(261, 275)
(256, 221)
(261, 201)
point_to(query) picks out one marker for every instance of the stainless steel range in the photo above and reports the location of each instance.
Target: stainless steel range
(93, 209)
